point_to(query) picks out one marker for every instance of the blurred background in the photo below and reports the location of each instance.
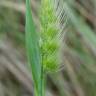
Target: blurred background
(77, 77)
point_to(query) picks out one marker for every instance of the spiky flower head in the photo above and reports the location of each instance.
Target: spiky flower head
(50, 36)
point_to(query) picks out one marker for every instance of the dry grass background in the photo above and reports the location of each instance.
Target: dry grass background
(78, 77)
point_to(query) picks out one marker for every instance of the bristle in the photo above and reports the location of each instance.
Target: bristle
(51, 33)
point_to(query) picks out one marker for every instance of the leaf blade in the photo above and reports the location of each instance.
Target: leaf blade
(33, 52)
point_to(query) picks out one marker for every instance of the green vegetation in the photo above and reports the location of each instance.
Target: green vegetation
(32, 42)
(71, 74)
(49, 36)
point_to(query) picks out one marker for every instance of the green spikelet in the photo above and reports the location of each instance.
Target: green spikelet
(49, 35)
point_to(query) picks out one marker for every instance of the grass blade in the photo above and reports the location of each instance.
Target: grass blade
(32, 43)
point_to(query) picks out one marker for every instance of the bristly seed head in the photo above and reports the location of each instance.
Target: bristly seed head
(50, 36)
